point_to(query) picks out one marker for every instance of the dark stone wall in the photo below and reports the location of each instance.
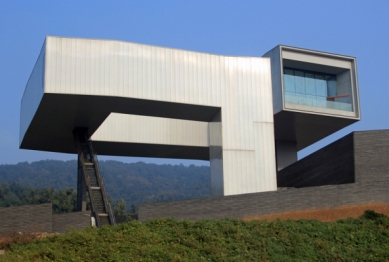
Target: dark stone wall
(371, 155)
(76, 220)
(264, 203)
(353, 170)
(39, 218)
(36, 218)
(331, 165)
(358, 157)
(120, 219)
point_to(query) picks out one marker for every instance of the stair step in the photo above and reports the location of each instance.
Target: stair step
(94, 183)
(104, 221)
(97, 194)
(94, 180)
(98, 201)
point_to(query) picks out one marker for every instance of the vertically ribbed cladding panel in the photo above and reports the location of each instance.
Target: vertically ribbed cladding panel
(240, 134)
(113, 68)
(152, 130)
(33, 94)
(248, 135)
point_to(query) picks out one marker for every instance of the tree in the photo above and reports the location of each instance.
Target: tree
(133, 210)
(120, 208)
(63, 201)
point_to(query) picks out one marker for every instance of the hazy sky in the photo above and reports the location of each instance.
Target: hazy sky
(237, 28)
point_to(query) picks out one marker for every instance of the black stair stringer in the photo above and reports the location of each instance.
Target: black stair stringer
(89, 166)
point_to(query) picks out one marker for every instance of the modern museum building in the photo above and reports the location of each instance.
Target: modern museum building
(248, 116)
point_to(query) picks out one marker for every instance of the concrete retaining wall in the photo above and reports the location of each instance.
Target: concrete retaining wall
(39, 218)
(75, 220)
(257, 204)
(357, 157)
(331, 165)
(371, 152)
(36, 218)
(351, 171)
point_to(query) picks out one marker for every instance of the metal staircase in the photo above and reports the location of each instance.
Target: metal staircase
(90, 180)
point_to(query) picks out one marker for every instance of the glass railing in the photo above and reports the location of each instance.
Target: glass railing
(316, 102)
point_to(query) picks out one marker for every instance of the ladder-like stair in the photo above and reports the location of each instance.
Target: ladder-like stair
(100, 206)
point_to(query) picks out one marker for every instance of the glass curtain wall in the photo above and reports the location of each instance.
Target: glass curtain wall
(314, 89)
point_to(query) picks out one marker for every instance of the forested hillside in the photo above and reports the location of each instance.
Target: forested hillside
(135, 183)
(15, 194)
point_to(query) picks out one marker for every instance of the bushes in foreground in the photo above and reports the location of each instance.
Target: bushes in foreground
(362, 239)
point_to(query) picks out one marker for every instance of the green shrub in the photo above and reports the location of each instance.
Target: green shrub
(362, 239)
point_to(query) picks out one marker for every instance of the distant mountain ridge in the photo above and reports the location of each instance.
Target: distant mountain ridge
(134, 182)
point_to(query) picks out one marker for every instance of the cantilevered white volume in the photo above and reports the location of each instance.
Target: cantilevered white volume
(197, 105)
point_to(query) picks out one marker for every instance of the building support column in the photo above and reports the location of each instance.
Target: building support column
(81, 188)
(216, 155)
(286, 152)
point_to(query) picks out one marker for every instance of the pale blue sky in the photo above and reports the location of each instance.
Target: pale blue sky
(238, 28)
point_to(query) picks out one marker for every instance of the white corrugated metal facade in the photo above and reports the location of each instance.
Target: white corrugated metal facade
(152, 130)
(239, 86)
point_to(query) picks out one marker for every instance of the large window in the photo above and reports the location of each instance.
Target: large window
(314, 89)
